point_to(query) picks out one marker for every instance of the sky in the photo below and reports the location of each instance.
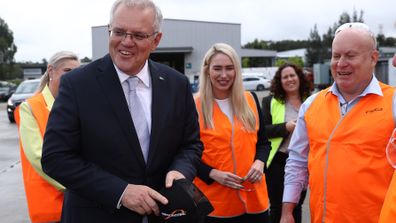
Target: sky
(43, 27)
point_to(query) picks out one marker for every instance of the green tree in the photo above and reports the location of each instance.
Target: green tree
(85, 60)
(7, 50)
(355, 17)
(318, 46)
(385, 41)
(314, 52)
(284, 45)
(390, 41)
(295, 60)
(327, 40)
(323, 50)
(256, 44)
(259, 62)
(344, 18)
(245, 62)
(270, 45)
(381, 39)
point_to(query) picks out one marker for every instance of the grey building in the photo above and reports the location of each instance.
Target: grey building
(185, 42)
(33, 71)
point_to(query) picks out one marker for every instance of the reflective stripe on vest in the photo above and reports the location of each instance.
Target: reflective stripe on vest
(348, 170)
(44, 201)
(278, 110)
(231, 148)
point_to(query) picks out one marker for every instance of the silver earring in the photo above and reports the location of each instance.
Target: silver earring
(50, 79)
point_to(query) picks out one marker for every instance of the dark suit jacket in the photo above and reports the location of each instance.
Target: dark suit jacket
(91, 146)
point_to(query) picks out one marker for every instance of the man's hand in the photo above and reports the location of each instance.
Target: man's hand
(142, 199)
(171, 176)
(227, 179)
(287, 213)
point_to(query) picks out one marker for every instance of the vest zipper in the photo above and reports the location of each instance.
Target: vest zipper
(326, 167)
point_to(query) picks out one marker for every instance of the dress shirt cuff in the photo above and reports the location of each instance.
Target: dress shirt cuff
(119, 201)
(291, 194)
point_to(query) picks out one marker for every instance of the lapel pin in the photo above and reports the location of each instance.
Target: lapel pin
(161, 78)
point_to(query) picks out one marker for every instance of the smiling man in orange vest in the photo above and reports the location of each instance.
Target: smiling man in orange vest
(338, 145)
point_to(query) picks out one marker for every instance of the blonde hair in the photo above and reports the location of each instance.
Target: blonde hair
(239, 103)
(56, 60)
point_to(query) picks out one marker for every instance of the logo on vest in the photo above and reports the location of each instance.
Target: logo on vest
(374, 110)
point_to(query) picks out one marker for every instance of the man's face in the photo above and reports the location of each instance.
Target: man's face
(129, 54)
(353, 61)
(394, 60)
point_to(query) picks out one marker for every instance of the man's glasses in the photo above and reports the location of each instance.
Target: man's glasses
(391, 149)
(122, 35)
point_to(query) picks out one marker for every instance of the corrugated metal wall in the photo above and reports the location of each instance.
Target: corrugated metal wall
(200, 36)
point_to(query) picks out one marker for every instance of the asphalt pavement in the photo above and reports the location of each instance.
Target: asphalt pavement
(13, 207)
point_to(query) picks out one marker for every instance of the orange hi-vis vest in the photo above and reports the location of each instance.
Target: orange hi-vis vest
(388, 212)
(44, 200)
(231, 148)
(348, 170)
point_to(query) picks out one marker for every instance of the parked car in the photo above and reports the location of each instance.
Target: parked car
(25, 90)
(252, 83)
(6, 90)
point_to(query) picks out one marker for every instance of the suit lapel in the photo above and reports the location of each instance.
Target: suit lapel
(111, 87)
(158, 100)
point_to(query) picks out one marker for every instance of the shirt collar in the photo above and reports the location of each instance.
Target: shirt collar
(48, 97)
(143, 75)
(372, 88)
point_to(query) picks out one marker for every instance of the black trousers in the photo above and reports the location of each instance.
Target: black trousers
(275, 175)
(248, 218)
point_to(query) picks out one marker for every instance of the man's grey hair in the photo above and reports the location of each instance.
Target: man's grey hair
(142, 4)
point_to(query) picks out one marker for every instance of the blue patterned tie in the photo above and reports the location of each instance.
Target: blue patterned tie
(138, 116)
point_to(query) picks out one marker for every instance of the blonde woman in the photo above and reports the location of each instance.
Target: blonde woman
(43, 194)
(235, 149)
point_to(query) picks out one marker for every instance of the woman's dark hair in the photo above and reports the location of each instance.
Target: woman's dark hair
(276, 85)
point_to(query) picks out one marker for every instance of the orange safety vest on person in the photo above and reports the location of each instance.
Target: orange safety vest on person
(348, 170)
(44, 201)
(230, 148)
(388, 212)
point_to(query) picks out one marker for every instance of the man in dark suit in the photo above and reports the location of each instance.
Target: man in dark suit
(93, 144)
